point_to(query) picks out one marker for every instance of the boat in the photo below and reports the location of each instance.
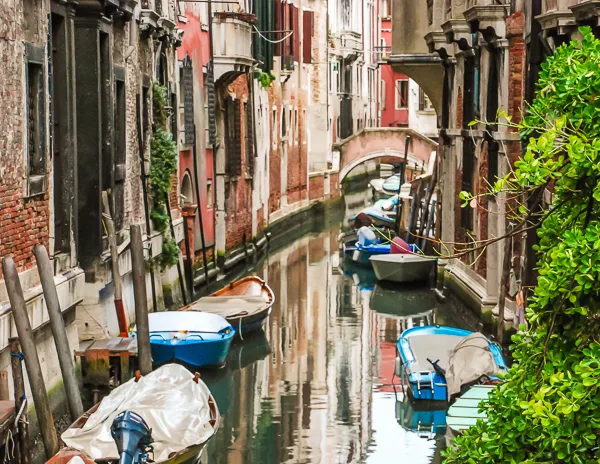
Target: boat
(377, 217)
(377, 185)
(440, 363)
(245, 304)
(148, 415)
(195, 338)
(402, 267)
(363, 253)
(391, 185)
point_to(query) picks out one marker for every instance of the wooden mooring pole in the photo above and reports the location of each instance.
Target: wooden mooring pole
(32, 361)
(502, 290)
(57, 324)
(16, 358)
(138, 265)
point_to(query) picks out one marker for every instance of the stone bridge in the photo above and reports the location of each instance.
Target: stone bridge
(371, 143)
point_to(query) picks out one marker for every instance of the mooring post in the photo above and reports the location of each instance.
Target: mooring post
(32, 361)
(19, 385)
(57, 324)
(138, 265)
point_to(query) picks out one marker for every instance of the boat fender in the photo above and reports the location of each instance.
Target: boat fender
(138, 376)
(398, 368)
(398, 410)
(196, 377)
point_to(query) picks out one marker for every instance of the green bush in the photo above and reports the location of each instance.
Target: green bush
(547, 410)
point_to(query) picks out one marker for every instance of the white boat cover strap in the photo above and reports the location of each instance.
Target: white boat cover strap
(471, 359)
(230, 306)
(172, 404)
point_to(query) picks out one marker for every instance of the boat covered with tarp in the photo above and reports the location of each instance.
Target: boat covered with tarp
(169, 414)
(245, 304)
(194, 338)
(440, 363)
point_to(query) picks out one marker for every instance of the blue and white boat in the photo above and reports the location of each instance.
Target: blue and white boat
(440, 363)
(195, 338)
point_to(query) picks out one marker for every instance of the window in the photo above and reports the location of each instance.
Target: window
(296, 133)
(274, 127)
(424, 102)
(209, 194)
(36, 121)
(382, 96)
(386, 10)
(233, 149)
(249, 132)
(401, 94)
(468, 171)
(283, 123)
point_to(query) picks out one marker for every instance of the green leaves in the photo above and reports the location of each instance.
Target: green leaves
(163, 166)
(548, 408)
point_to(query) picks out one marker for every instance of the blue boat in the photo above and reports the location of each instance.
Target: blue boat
(440, 363)
(190, 337)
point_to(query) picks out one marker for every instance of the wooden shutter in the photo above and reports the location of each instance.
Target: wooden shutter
(278, 25)
(308, 25)
(233, 143)
(296, 35)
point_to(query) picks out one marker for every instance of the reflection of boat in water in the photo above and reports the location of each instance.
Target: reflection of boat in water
(242, 354)
(363, 277)
(426, 419)
(404, 301)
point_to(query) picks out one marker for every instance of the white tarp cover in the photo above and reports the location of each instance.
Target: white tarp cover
(192, 321)
(470, 359)
(172, 404)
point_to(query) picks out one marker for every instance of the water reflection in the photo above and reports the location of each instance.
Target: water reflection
(317, 385)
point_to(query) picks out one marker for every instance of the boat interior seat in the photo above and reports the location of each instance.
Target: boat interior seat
(432, 347)
(228, 305)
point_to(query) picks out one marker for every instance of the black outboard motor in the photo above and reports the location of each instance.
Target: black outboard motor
(132, 436)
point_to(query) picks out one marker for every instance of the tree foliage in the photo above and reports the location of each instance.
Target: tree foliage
(548, 408)
(163, 165)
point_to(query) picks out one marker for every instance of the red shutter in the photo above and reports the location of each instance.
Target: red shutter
(296, 35)
(278, 26)
(308, 28)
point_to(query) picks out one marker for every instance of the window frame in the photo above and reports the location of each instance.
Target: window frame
(36, 181)
(398, 92)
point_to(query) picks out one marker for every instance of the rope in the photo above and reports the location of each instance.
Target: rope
(19, 355)
(272, 41)
(240, 329)
(9, 445)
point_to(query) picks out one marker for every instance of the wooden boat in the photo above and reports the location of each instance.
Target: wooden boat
(402, 267)
(429, 357)
(94, 431)
(245, 304)
(194, 338)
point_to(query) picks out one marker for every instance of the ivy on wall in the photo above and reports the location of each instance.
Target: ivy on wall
(548, 408)
(163, 159)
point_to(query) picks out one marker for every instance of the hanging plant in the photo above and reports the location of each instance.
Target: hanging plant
(547, 410)
(163, 165)
(265, 78)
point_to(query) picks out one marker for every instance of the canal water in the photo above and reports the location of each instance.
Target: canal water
(317, 385)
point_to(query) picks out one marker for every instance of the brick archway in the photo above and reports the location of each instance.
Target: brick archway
(374, 143)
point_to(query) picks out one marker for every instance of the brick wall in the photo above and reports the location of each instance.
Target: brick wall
(23, 222)
(238, 190)
(516, 50)
(334, 185)
(316, 187)
(275, 149)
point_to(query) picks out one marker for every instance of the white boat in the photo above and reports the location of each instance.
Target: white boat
(402, 267)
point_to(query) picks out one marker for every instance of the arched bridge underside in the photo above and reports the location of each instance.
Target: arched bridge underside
(378, 142)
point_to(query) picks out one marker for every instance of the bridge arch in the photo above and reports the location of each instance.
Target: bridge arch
(372, 143)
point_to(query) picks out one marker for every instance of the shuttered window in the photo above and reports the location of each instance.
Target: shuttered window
(308, 29)
(233, 144)
(296, 34)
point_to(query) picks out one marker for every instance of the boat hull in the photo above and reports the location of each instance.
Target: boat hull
(402, 268)
(198, 353)
(362, 255)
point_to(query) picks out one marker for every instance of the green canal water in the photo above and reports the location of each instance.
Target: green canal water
(317, 385)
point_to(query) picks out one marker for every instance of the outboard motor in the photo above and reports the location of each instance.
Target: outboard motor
(132, 436)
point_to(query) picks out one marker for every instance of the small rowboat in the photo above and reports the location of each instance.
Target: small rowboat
(443, 362)
(145, 415)
(402, 267)
(245, 304)
(197, 339)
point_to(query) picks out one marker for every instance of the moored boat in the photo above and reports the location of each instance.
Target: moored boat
(440, 363)
(245, 304)
(149, 414)
(194, 338)
(402, 267)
